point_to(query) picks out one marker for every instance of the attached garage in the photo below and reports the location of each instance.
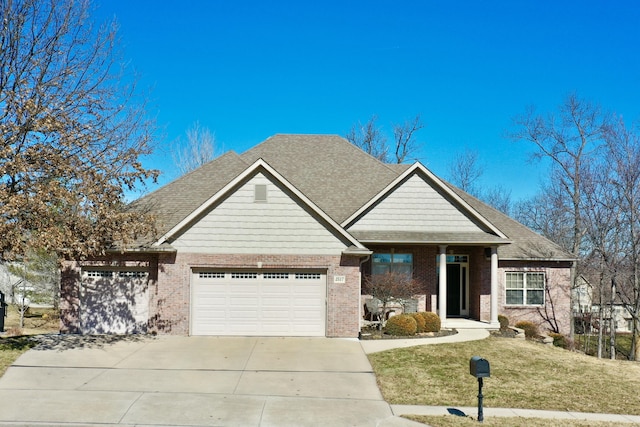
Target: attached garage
(114, 301)
(259, 303)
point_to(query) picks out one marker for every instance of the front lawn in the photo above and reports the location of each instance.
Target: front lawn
(11, 348)
(16, 341)
(524, 374)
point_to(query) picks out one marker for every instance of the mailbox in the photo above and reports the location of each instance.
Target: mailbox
(479, 367)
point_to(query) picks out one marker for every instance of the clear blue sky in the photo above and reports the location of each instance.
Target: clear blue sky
(250, 69)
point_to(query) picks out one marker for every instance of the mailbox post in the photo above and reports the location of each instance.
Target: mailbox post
(479, 368)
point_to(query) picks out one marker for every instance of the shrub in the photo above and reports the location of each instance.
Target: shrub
(559, 340)
(403, 325)
(530, 328)
(431, 320)
(420, 322)
(504, 322)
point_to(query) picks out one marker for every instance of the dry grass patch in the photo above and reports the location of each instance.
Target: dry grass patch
(36, 321)
(454, 421)
(523, 375)
(11, 348)
(16, 341)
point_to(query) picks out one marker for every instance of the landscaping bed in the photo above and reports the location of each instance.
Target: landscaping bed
(376, 334)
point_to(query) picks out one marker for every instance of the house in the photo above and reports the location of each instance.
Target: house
(275, 241)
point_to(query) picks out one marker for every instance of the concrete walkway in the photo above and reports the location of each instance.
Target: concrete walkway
(508, 412)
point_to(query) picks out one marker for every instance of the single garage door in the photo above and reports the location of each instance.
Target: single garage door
(114, 302)
(262, 303)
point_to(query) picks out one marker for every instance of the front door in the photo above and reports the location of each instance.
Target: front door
(457, 285)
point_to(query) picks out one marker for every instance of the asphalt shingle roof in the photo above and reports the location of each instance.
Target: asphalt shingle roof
(339, 178)
(335, 174)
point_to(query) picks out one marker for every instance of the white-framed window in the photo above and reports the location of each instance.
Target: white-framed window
(525, 288)
(392, 263)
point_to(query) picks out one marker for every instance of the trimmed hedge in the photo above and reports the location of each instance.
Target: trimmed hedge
(420, 322)
(431, 320)
(402, 325)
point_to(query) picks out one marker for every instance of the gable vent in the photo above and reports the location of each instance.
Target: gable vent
(260, 193)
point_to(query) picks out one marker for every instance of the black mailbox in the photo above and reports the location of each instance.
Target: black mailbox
(479, 367)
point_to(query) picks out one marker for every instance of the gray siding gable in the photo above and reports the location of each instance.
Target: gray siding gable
(237, 224)
(417, 205)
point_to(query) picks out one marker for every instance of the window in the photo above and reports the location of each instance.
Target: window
(308, 276)
(211, 275)
(525, 288)
(242, 275)
(99, 273)
(394, 263)
(275, 275)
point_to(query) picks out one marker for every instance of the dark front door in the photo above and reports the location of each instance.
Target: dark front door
(453, 290)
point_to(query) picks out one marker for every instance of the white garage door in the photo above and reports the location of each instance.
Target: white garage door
(284, 303)
(114, 302)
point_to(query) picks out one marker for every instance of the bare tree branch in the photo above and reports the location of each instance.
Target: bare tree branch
(72, 130)
(198, 149)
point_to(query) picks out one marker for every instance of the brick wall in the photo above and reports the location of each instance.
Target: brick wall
(170, 302)
(170, 286)
(557, 302)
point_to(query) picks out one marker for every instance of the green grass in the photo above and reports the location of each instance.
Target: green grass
(589, 345)
(524, 374)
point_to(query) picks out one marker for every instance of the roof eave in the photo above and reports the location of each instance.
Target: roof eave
(355, 251)
(552, 259)
(436, 242)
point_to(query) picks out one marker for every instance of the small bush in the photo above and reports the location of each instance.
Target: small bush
(432, 321)
(530, 329)
(420, 322)
(559, 340)
(402, 325)
(504, 322)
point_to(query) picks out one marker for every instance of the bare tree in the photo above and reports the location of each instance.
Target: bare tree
(548, 214)
(72, 131)
(465, 171)
(404, 138)
(198, 149)
(370, 138)
(498, 197)
(569, 140)
(390, 287)
(623, 154)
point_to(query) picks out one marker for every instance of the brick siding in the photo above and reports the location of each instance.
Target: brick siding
(170, 287)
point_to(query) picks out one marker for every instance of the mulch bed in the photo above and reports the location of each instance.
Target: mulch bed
(374, 334)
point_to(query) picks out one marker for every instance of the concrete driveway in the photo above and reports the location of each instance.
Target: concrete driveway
(194, 381)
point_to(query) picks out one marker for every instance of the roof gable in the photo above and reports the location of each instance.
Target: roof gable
(419, 202)
(176, 200)
(230, 187)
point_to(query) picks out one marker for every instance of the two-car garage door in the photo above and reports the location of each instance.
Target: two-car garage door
(275, 303)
